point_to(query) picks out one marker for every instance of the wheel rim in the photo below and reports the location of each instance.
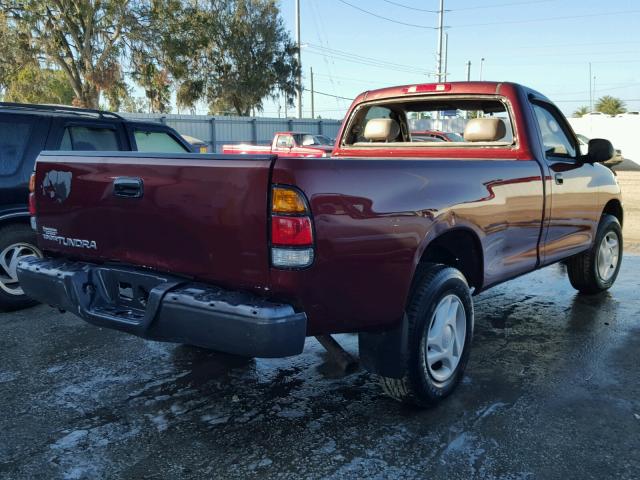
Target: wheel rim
(9, 258)
(608, 256)
(446, 337)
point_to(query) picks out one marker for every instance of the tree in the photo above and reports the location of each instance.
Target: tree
(581, 111)
(85, 39)
(610, 105)
(32, 84)
(231, 53)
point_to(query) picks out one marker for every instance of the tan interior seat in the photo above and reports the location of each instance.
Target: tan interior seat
(381, 130)
(484, 130)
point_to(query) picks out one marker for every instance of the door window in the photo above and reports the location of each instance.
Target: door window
(13, 143)
(284, 141)
(89, 139)
(161, 142)
(555, 136)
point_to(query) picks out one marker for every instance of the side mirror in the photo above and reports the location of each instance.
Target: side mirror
(600, 150)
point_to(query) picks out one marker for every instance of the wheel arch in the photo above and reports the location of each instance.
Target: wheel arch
(614, 207)
(460, 248)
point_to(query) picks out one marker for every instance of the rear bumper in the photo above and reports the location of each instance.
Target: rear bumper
(165, 308)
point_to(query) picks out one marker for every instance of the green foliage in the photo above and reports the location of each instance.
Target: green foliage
(581, 111)
(85, 39)
(32, 84)
(610, 105)
(231, 53)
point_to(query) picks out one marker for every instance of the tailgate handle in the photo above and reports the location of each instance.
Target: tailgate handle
(128, 187)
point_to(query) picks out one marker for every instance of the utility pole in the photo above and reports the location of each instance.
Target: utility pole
(299, 86)
(469, 71)
(446, 54)
(440, 35)
(590, 90)
(313, 113)
(481, 64)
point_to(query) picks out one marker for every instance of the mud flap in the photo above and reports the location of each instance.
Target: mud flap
(385, 353)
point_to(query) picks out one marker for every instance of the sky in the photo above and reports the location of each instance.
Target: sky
(544, 44)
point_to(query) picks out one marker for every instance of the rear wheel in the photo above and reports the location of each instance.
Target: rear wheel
(440, 321)
(16, 242)
(596, 269)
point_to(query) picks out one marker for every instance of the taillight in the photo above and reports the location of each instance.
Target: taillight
(291, 229)
(32, 200)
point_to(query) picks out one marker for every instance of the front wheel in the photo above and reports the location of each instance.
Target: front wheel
(440, 321)
(596, 269)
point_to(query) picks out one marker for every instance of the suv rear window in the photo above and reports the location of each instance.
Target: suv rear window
(13, 142)
(90, 138)
(432, 122)
(150, 141)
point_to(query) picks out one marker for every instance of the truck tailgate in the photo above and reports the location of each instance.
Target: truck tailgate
(201, 216)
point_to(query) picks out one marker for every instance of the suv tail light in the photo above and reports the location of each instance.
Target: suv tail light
(291, 229)
(32, 200)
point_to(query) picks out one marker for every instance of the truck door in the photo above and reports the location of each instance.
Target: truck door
(571, 192)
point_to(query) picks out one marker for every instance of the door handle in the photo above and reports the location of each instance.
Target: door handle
(128, 187)
(559, 179)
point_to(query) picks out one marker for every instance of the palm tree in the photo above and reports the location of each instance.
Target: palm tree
(581, 111)
(610, 105)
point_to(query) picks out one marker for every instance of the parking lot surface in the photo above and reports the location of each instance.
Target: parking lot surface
(552, 391)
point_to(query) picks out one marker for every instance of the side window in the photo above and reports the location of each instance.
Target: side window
(555, 137)
(162, 142)
(13, 144)
(284, 141)
(89, 138)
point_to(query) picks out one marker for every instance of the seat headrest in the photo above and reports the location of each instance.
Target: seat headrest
(484, 130)
(381, 130)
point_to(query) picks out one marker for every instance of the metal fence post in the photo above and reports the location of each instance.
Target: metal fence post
(320, 129)
(254, 131)
(290, 125)
(212, 134)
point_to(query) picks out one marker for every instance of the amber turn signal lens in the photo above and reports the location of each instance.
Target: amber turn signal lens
(32, 183)
(287, 200)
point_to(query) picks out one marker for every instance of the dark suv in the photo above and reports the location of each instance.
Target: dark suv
(26, 130)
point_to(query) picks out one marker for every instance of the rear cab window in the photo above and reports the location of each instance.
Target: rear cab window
(156, 141)
(451, 121)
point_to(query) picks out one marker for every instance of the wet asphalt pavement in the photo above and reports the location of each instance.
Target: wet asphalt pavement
(552, 391)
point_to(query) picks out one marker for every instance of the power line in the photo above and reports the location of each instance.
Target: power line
(510, 4)
(410, 8)
(387, 18)
(329, 95)
(366, 60)
(547, 19)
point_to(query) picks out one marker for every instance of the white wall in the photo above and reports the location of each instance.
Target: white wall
(623, 132)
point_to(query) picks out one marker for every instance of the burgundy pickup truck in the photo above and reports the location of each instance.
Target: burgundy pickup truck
(389, 238)
(286, 144)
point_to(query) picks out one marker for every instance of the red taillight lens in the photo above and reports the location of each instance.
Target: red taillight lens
(291, 231)
(32, 204)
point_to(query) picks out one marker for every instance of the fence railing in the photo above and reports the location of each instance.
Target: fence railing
(216, 131)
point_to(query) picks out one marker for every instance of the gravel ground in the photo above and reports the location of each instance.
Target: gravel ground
(552, 391)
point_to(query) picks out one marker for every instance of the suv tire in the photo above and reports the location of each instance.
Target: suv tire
(16, 241)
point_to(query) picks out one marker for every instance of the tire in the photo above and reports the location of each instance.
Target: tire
(16, 241)
(596, 269)
(427, 382)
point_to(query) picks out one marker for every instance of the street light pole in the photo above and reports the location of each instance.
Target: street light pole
(299, 79)
(440, 39)
(313, 113)
(590, 90)
(481, 64)
(469, 71)
(446, 54)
